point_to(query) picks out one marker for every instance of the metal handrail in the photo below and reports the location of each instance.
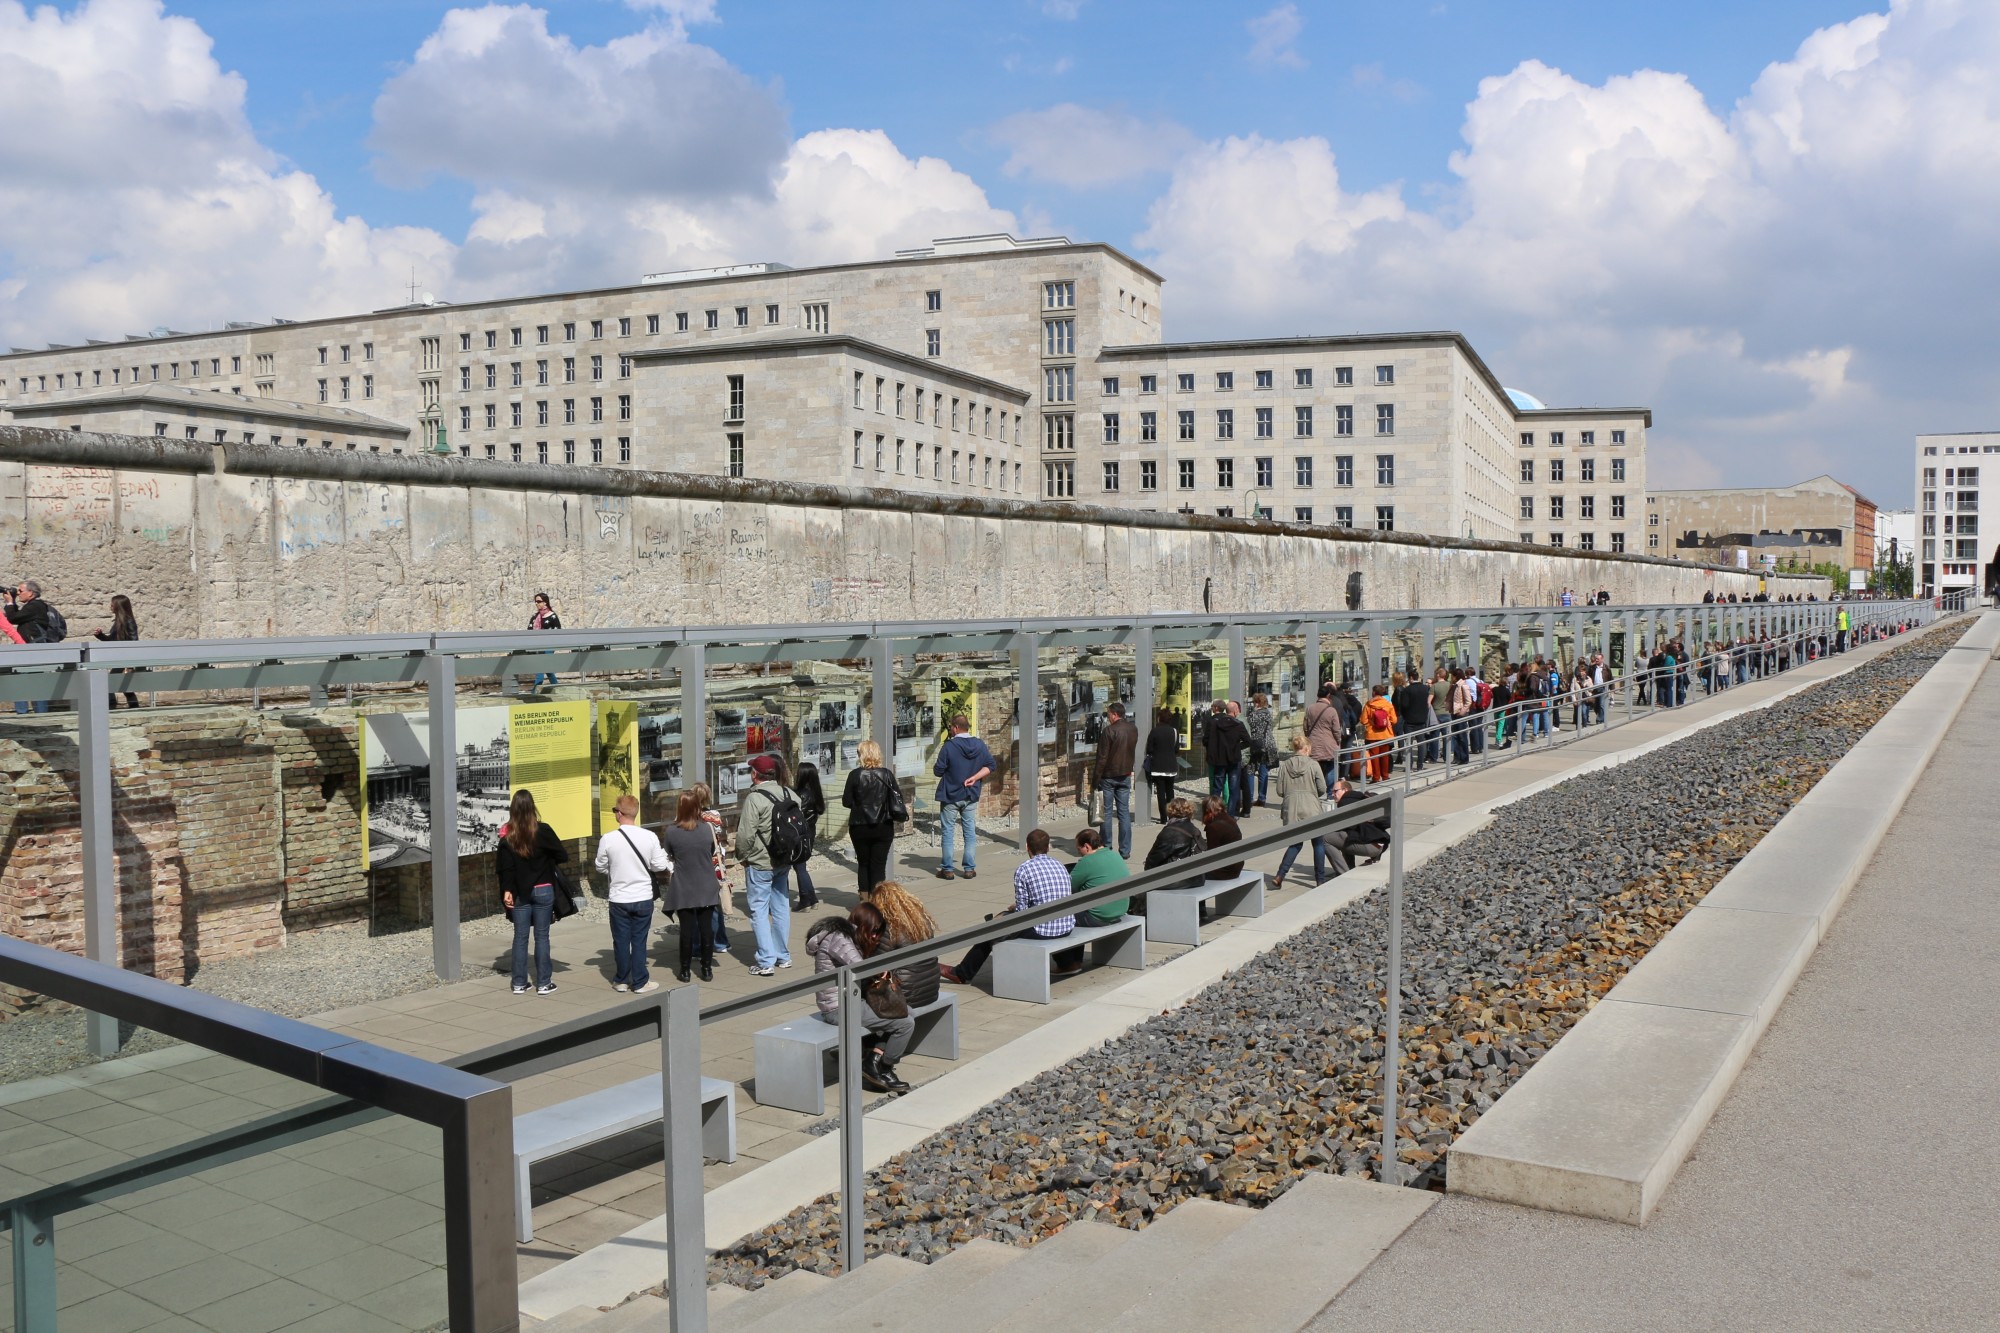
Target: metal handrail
(474, 1114)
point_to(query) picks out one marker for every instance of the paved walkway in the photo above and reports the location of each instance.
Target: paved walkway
(1849, 1180)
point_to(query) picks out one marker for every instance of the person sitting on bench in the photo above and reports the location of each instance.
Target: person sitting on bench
(1041, 879)
(1096, 865)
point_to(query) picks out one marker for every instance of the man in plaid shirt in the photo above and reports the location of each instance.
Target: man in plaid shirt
(1041, 880)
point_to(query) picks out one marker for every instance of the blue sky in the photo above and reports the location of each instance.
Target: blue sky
(1761, 220)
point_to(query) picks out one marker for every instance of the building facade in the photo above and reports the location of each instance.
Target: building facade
(1819, 520)
(1953, 552)
(978, 365)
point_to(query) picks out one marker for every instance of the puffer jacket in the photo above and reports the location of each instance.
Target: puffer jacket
(918, 981)
(831, 948)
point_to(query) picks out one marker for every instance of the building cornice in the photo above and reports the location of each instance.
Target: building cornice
(829, 344)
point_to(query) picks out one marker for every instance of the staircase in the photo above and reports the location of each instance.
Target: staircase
(1212, 1267)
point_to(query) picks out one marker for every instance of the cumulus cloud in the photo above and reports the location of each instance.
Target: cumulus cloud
(1085, 148)
(1785, 282)
(1272, 35)
(133, 191)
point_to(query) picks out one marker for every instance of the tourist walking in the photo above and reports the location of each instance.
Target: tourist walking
(1117, 752)
(1039, 880)
(812, 802)
(874, 801)
(1378, 724)
(530, 885)
(30, 620)
(963, 762)
(1262, 724)
(1163, 759)
(694, 895)
(1301, 792)
(124, 628)
(767, 806)
(907, 922)
(544, 617)
(628, 857)
(1098, 865)
(835, 942)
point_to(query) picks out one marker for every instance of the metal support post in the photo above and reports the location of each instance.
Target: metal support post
(441, 672)
(89, 690)
(1239, 680)
(853, 1207)
(1429, 625)
(1392, 1020)
(1312, 660)
(34, 1235)
(1513, 638)
(1028, 753)
(1374, 671)
(882, 719)
(680, 1093)
(1144, 692)
(691, 661)
(482, 1275)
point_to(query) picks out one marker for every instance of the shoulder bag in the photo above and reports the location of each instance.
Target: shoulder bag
(885, 997)
(658, 877)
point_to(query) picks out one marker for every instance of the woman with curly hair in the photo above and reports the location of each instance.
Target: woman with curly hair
(907, 921)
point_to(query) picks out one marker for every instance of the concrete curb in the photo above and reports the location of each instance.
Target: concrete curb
(1600, 1126)
(637, 1259)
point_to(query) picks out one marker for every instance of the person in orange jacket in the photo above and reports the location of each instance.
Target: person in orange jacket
(1378, 724)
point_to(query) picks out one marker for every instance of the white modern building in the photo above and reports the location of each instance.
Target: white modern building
(983, 366)
(1953, 551)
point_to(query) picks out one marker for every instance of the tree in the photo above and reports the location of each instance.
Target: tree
(1893, 578)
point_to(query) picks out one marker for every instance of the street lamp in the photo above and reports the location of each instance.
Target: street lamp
(1250, 505)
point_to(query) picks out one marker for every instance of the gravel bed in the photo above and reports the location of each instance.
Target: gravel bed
(1509, 938)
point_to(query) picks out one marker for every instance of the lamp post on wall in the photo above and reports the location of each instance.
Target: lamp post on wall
(1250, 506)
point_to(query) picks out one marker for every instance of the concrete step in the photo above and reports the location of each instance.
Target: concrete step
(722, 1297)
(1044, 1267)
(647, 1313)
(1177, 1240)
(839, 1296)
(569, 1321)
(752, 1306)
(1280, 1271)
(931, 1298)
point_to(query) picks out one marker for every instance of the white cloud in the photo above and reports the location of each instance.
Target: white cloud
(134, 193)
(1272, 35)
(1786, 283)
(1085, 147)
(1065, 10)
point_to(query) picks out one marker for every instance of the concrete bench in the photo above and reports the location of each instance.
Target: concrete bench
(1173, 916)
(1021, 966)
(597, 1116)
(791, 1057)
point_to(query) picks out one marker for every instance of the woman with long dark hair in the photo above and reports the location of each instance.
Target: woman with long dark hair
(124, 629)
(694, 895)
(812, 804)
(544, 617)
(1163, 759)
(525, 862)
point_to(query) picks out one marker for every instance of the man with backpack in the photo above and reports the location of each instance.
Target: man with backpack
(36, 622)
(770, 832)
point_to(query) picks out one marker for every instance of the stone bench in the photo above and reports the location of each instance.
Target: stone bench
(594, 1117)
(791, 1057)
(1173, 916)
(1021, 966)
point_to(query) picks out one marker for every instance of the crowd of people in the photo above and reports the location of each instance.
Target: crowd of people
(29, 618)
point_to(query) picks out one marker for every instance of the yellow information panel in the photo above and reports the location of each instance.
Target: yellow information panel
(617, 759)
(549, 753)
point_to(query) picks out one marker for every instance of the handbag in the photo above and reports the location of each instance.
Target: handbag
(565, 887)
(659, 877)
(885, 997)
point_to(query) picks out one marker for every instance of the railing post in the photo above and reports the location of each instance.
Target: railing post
(1392, 1019)
(680, 1094)
(482, 1279)
(90, 691)
(1028, 752)
(441, 673)
(853, 1207)
(882, 720)
(34, 1236)
(691, 661)
(1144, 696)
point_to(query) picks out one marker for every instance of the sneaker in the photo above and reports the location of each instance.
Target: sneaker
(763, 971)
(620, 986)
(646, 989)
(520, 990)
(546, 988)
(784, 963)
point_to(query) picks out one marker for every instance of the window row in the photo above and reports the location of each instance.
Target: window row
(516, 412)
(1587, 541)
(1583, 438)
(1586, 470)
(1263, 424)
(1225, 380)
(968, 414)
(901, 457)
(66, 380)
(1586, 506)
(517, 373)
(595, 448)
(1262, 472)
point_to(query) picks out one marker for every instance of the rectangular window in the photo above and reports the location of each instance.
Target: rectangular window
(1652, 541)
(933, 300)
(1111, 476)
(1184, 425)
(1617, 469)
(880, 458)
(1343, 469)
(1185, 473)
(1618, 543)
(1586, 541)
(857, 448)
(1555, 439)
(735, 439)
(1586, 506)
(1111, 386)
(1225, 473)
(1058, 337)
(1385, 518)
(1586, 470)
(597, 409)
(1225, 423)
(343, 388)
(343, 346)
(899, 456)
(1617, 506)
(770, 314)
(1385, 469)
(541, 333)
(1302, 514)
(322, 391)
(1263, 423)
(1149, 475)
(1555, 506)
(569, 411)
(1263, 379)
(1059, 296)
(899, 398)
(464, 418)
(933, 342)
(464, 345)
(492, 376)
(1343, 516)
(1586, 437)
(542, 412)
(1385, 418)
(1149, 384)
(1617, 437)
(1302, 472)
(624, 448)
(1059, 431)
(680, 322)
(712, 318)
(1059, 384)
(1149, 427)
(569, 370)
(1343, 420)
(1263, 467)
(515, 372)
(492, 416)
(596, 368)
(624, 367)
(597, 450)
(1111, 428)
(1527, 471)
(954, 404)
(1527, 506)
(1184, 383)
(1302, 422)
(1225, 381)
(515, 411)
(541, 372)
(1527, 439)
(1385, 374)
(1555, 471)
(1302, 378)
(743, 317)
(1060, 479)
(624, 407)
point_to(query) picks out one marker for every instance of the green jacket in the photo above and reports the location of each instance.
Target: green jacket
(753, 824)
(1103, 866)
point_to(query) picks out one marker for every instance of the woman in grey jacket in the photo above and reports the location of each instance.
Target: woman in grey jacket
(836, 942)
(1301, 788)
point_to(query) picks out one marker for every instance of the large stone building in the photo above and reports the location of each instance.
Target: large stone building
(1820, 520)
(1952, 472)
(981, 366)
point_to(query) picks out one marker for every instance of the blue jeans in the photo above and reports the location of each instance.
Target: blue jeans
(959, 818)
(535, 914)
(720, 935)
(1262, 773)
(808, 895)
(548, 676)
(1118, 805)
(630, 924)
(39, 706)
(1292, 855)
(770, 915)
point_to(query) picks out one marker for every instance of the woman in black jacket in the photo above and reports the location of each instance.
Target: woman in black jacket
(873, 799)
(525, 863)
(1163, 759)
(124, 629)
(1413, 717)
(812, 804)
(907, 922)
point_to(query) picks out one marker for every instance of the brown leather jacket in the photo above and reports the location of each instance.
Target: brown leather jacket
(1116, 749)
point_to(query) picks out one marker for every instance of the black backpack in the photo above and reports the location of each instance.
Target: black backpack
(57, 628)
(790, 843)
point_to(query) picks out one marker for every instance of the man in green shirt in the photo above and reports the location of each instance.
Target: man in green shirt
(1097, 865)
